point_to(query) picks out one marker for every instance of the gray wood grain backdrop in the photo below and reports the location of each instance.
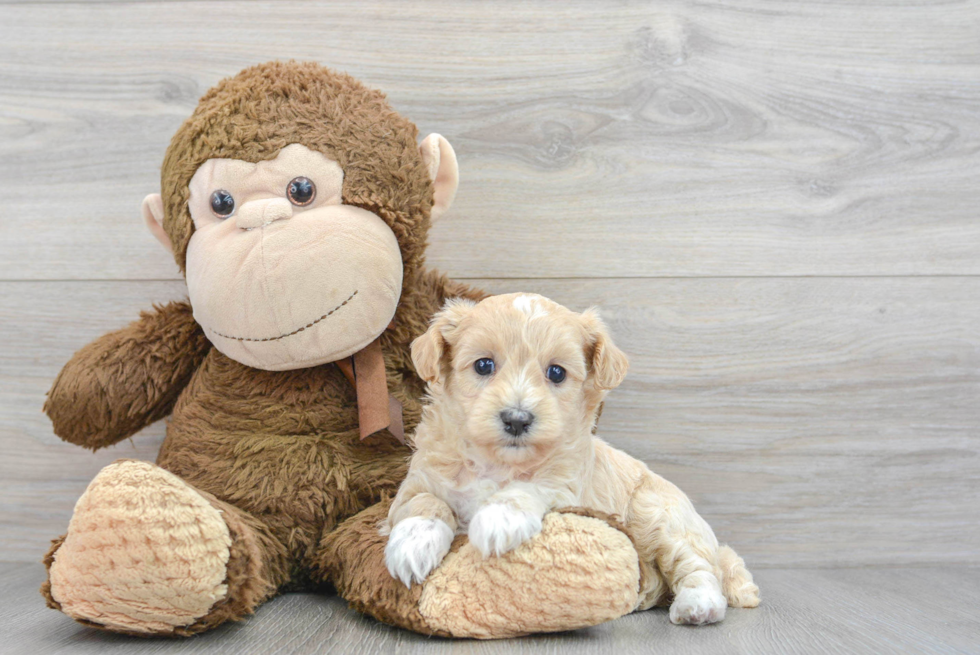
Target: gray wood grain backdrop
(776, 204)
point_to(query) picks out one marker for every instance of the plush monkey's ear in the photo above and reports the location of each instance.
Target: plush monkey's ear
(153, 217)
(430, 351)
(608, 364)
(440, 160)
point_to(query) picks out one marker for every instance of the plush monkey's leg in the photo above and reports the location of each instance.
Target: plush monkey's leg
(148, 554)
(580, 571)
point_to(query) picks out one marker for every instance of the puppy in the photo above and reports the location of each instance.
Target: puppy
(515, 385)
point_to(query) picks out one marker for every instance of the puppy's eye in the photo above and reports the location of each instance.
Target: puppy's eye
(301, 191)
(556, 374)
(484, 366)
(222, 204)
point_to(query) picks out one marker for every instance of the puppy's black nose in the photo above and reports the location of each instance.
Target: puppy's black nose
(516, 421)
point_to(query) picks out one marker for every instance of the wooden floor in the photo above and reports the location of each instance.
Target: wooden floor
(866, 611)
(775, 204)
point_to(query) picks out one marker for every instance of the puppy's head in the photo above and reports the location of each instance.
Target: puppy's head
(518, 375)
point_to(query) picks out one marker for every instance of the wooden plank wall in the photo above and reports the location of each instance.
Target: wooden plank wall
(775, 203)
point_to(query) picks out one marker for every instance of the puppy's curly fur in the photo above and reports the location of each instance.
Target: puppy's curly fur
(478, 469)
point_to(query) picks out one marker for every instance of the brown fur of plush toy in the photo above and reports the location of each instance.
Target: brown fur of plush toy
(255, 114)
(276, 453)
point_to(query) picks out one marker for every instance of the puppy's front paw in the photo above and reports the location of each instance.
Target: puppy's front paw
(698, 605)
(498, 528)
(415, 547)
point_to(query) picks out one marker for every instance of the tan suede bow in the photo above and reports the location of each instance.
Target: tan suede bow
(376, 408)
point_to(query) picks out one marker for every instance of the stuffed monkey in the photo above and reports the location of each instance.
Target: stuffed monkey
(296, 203)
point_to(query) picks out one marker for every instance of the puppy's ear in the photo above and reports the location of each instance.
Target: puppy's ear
(429, 351)
(608, 364)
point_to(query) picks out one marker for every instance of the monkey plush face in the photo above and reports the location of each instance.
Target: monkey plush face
(296, 202)
(280, 272)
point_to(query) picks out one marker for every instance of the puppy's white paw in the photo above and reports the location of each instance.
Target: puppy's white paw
(698, 606)
(498, 528)
(415, 547)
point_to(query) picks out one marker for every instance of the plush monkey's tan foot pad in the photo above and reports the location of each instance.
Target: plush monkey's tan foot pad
(579, 571)
(144, 552)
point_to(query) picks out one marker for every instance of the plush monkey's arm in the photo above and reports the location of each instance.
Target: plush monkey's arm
(127, 379)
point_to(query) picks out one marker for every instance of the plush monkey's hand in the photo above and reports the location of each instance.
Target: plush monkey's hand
(127, 379)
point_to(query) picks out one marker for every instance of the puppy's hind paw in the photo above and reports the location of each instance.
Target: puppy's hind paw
(698, 606)
(498, 528)
(415, 547)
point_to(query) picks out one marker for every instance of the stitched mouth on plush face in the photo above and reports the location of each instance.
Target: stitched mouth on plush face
(289, 334)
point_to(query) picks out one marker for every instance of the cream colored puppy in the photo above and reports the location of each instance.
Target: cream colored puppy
(515, 384)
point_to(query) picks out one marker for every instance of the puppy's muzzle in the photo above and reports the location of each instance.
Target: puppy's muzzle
(516, 421)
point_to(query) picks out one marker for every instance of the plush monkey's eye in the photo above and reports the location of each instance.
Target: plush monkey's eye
(483, 366)
(556, 374)
(301, 191)
(222, 204)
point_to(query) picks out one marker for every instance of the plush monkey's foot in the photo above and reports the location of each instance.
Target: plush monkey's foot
(145, 553)
(579, 571)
